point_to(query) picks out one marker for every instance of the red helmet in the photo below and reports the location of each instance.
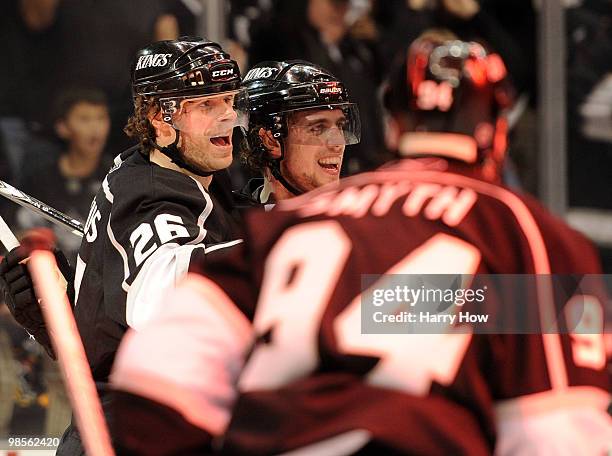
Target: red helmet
(451, 96)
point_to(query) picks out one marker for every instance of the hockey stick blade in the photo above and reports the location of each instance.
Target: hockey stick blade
(51, 214)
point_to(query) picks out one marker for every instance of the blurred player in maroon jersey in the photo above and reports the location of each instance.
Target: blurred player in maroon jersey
(267, 353)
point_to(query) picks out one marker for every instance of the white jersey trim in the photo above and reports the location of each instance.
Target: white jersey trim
(204, 215)
(122, 252)
(223, 245)
(107, 193)
(78, 277)
(159, 274)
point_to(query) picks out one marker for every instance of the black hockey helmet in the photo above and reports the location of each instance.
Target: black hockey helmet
(186, 66)
(277, 89)
(452, 95)
(178, 71)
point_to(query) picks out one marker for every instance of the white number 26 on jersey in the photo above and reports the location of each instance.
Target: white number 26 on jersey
(167, 227)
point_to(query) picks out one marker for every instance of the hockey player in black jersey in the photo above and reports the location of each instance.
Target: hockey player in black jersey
(156, 209)
(160, 204)
(301, 119)
(270, 357)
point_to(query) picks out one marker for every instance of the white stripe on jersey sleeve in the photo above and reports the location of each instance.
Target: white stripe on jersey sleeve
(188, 356)
(159, 274)
(223, 245)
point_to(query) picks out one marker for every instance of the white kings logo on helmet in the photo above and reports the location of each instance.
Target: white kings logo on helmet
(152, 60)
(259, 73)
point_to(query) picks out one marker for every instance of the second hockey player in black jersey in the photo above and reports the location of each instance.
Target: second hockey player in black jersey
(301, 120)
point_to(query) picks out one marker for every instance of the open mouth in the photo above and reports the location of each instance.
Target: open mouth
(330, 164)
(221, 141)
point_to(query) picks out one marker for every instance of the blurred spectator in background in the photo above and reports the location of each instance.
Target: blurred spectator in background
(319, 31)
(7, 208)
(399, 23)
(589, 121)
(95, 41)
(24, 81)
(64, 43)
(24, 27)
(244, 19)
(6, 171)
(186, 14)
(69, 180)
(590, 104)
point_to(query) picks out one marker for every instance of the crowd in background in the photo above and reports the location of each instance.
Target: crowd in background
(64, 98)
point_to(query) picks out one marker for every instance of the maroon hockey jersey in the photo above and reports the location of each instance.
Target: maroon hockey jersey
(270, 357)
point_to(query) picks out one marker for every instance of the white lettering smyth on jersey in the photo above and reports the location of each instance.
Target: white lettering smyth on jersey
(447, 203)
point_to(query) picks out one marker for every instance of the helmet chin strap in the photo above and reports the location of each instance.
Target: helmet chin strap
(276, 172)
(174, 155)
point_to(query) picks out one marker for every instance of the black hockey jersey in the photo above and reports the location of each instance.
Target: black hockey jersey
(143, 226)
(313, 382)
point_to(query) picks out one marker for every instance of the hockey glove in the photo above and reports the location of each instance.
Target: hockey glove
(18, 289)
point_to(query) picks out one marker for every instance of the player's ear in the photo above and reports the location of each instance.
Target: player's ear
(61, 129)
(164, 132)
(270, 143)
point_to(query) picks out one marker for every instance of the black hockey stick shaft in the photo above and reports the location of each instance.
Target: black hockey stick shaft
(48, 212)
